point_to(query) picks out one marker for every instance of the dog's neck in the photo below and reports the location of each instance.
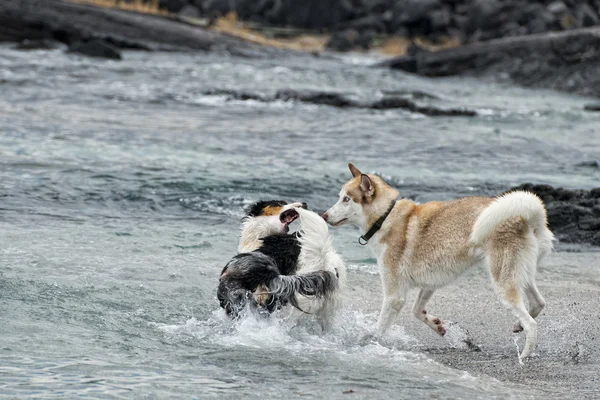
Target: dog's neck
(372, 212)
(395, 220)
(253, 230)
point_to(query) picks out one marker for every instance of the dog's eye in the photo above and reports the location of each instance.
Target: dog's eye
(346, 199)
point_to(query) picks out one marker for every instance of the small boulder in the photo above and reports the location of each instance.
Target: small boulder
(172, 6)
(414, 11)
(344, 40)
(366, 38)
(486, 15)
(189, 11)
(215, 7)
(589, 164)
(557, 7)
(96, 48)
(586, 16)
(592, 107)
(440, 19)
(370, 22)
(538, 19)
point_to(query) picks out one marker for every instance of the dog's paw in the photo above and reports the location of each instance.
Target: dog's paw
(517, 327)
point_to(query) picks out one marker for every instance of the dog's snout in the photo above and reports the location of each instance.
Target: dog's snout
(325, 216)
(304, 205)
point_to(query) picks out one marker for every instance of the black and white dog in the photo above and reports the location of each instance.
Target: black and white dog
(275, 268)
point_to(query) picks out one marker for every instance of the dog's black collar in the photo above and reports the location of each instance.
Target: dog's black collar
(364, 239)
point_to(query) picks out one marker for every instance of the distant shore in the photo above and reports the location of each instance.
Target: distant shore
(565, 61)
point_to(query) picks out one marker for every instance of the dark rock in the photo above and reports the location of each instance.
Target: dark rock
(274, 15)
(413, 11)
(236, 95)
(378, 6)
(70, 23)
(215, 7)
(189, 11)
(370, 22)
(565, 61)
(326, 98)
(536, 25)
(513, 29)
(403, 63)
(318, 14)
(366, 38)
(39, 44)
(573, 215)
(343, 41)
(485, 14)
(468, 20)
(401, 31)
(592, 107)
(173, 6)
(440, 19)
(586, 16)
(538, 19)
(557, 7)
(589, 164)
(414, 50)
(388, 103)
(96, 48)
(341, 100)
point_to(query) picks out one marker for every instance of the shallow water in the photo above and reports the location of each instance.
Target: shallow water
(121, 190)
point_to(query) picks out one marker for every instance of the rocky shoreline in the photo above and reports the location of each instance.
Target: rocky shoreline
(573, 215)
(71, 23)
(469, 20)
(334, 99)
(565, 61)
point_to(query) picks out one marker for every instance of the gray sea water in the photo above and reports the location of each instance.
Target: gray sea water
(122, 185)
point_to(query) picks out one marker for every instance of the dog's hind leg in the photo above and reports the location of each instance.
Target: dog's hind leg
(536, 304)
(516, 305)
(512, 295)
(512, 257)
(422, 315)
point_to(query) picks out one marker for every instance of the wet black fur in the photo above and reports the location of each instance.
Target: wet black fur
(240, 277)
(275, 259)
(278, 255)
(284, 249)
(246, 271)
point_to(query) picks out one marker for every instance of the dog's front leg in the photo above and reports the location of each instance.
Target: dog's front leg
(394, 297)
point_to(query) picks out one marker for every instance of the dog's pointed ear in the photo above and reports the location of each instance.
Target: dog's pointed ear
(355, 171)
(365, 184)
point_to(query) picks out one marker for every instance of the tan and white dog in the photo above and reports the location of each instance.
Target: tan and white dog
(427, 246)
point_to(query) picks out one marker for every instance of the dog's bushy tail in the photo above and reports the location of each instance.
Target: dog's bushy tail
(318, 284)
(514, 204)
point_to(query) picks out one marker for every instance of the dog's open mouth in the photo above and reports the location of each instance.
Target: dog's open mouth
(287, 217)
(338, 223)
